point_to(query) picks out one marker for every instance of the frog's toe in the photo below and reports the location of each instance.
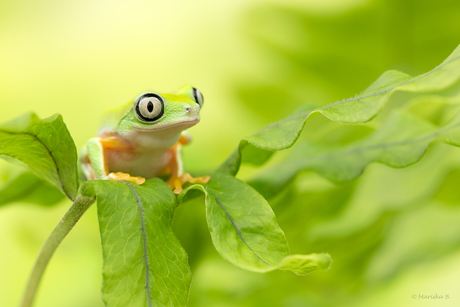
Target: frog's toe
(186, 177)
(176, 182)
(125, 177)
(177, 190)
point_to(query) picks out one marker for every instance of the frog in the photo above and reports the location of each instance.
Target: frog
(143, 138)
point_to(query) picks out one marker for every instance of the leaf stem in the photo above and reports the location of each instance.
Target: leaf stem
(81, 204)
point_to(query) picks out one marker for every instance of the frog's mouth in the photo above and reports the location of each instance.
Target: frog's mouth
(181, 125)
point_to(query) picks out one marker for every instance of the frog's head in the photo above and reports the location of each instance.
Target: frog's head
(170, 113)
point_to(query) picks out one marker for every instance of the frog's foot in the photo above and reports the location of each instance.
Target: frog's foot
(125, 177)
(176, 182)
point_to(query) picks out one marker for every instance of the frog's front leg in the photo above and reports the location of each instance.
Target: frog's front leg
(178, 177)
(95, 164)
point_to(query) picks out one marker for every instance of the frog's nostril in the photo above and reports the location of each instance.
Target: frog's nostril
(187, 109)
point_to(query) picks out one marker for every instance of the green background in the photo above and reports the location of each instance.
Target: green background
(393, 233)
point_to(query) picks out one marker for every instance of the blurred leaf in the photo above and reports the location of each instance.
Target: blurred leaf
(437, 109)
(327, 55)
(400, 142)
(429, 233)
(367, 104)
(304, 264)
(312, 206)
(26, 187)
(189, 225)
(144, 263)
(244, 229)
(45, 146)
(257, 148)
(448, 191)
(362, 108)
(353, 252)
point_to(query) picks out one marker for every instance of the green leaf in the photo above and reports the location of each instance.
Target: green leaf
(144, 263)
(244, 229)
(448, 189)
(26, 187)
(304, 264)
(359, 109)
(45, 146)
(400, 142)
(257, 148)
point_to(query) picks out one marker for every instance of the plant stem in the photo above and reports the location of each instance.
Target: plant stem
(81, 204)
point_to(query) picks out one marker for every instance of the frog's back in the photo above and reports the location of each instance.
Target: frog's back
(113, 117)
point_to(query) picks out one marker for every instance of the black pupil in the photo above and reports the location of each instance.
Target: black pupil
(150, 106)
(195, 95)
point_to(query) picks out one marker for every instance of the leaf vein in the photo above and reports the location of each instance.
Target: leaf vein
(238, 231)
(144, 236)
(359, 97)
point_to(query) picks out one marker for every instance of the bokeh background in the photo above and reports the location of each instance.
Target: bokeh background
(393, 233)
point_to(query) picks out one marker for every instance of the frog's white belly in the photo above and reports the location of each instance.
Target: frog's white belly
(147, 164)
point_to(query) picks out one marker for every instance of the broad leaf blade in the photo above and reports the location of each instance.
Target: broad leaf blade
(400, 142)
(244, 229)
(368, 104)
(359, 109)
(45, 146)
(144, 263)
(257, 148)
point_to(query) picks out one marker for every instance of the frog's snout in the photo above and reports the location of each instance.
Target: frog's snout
(191, 110)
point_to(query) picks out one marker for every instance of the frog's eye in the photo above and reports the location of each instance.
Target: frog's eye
(149, 107)
(198, 97)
